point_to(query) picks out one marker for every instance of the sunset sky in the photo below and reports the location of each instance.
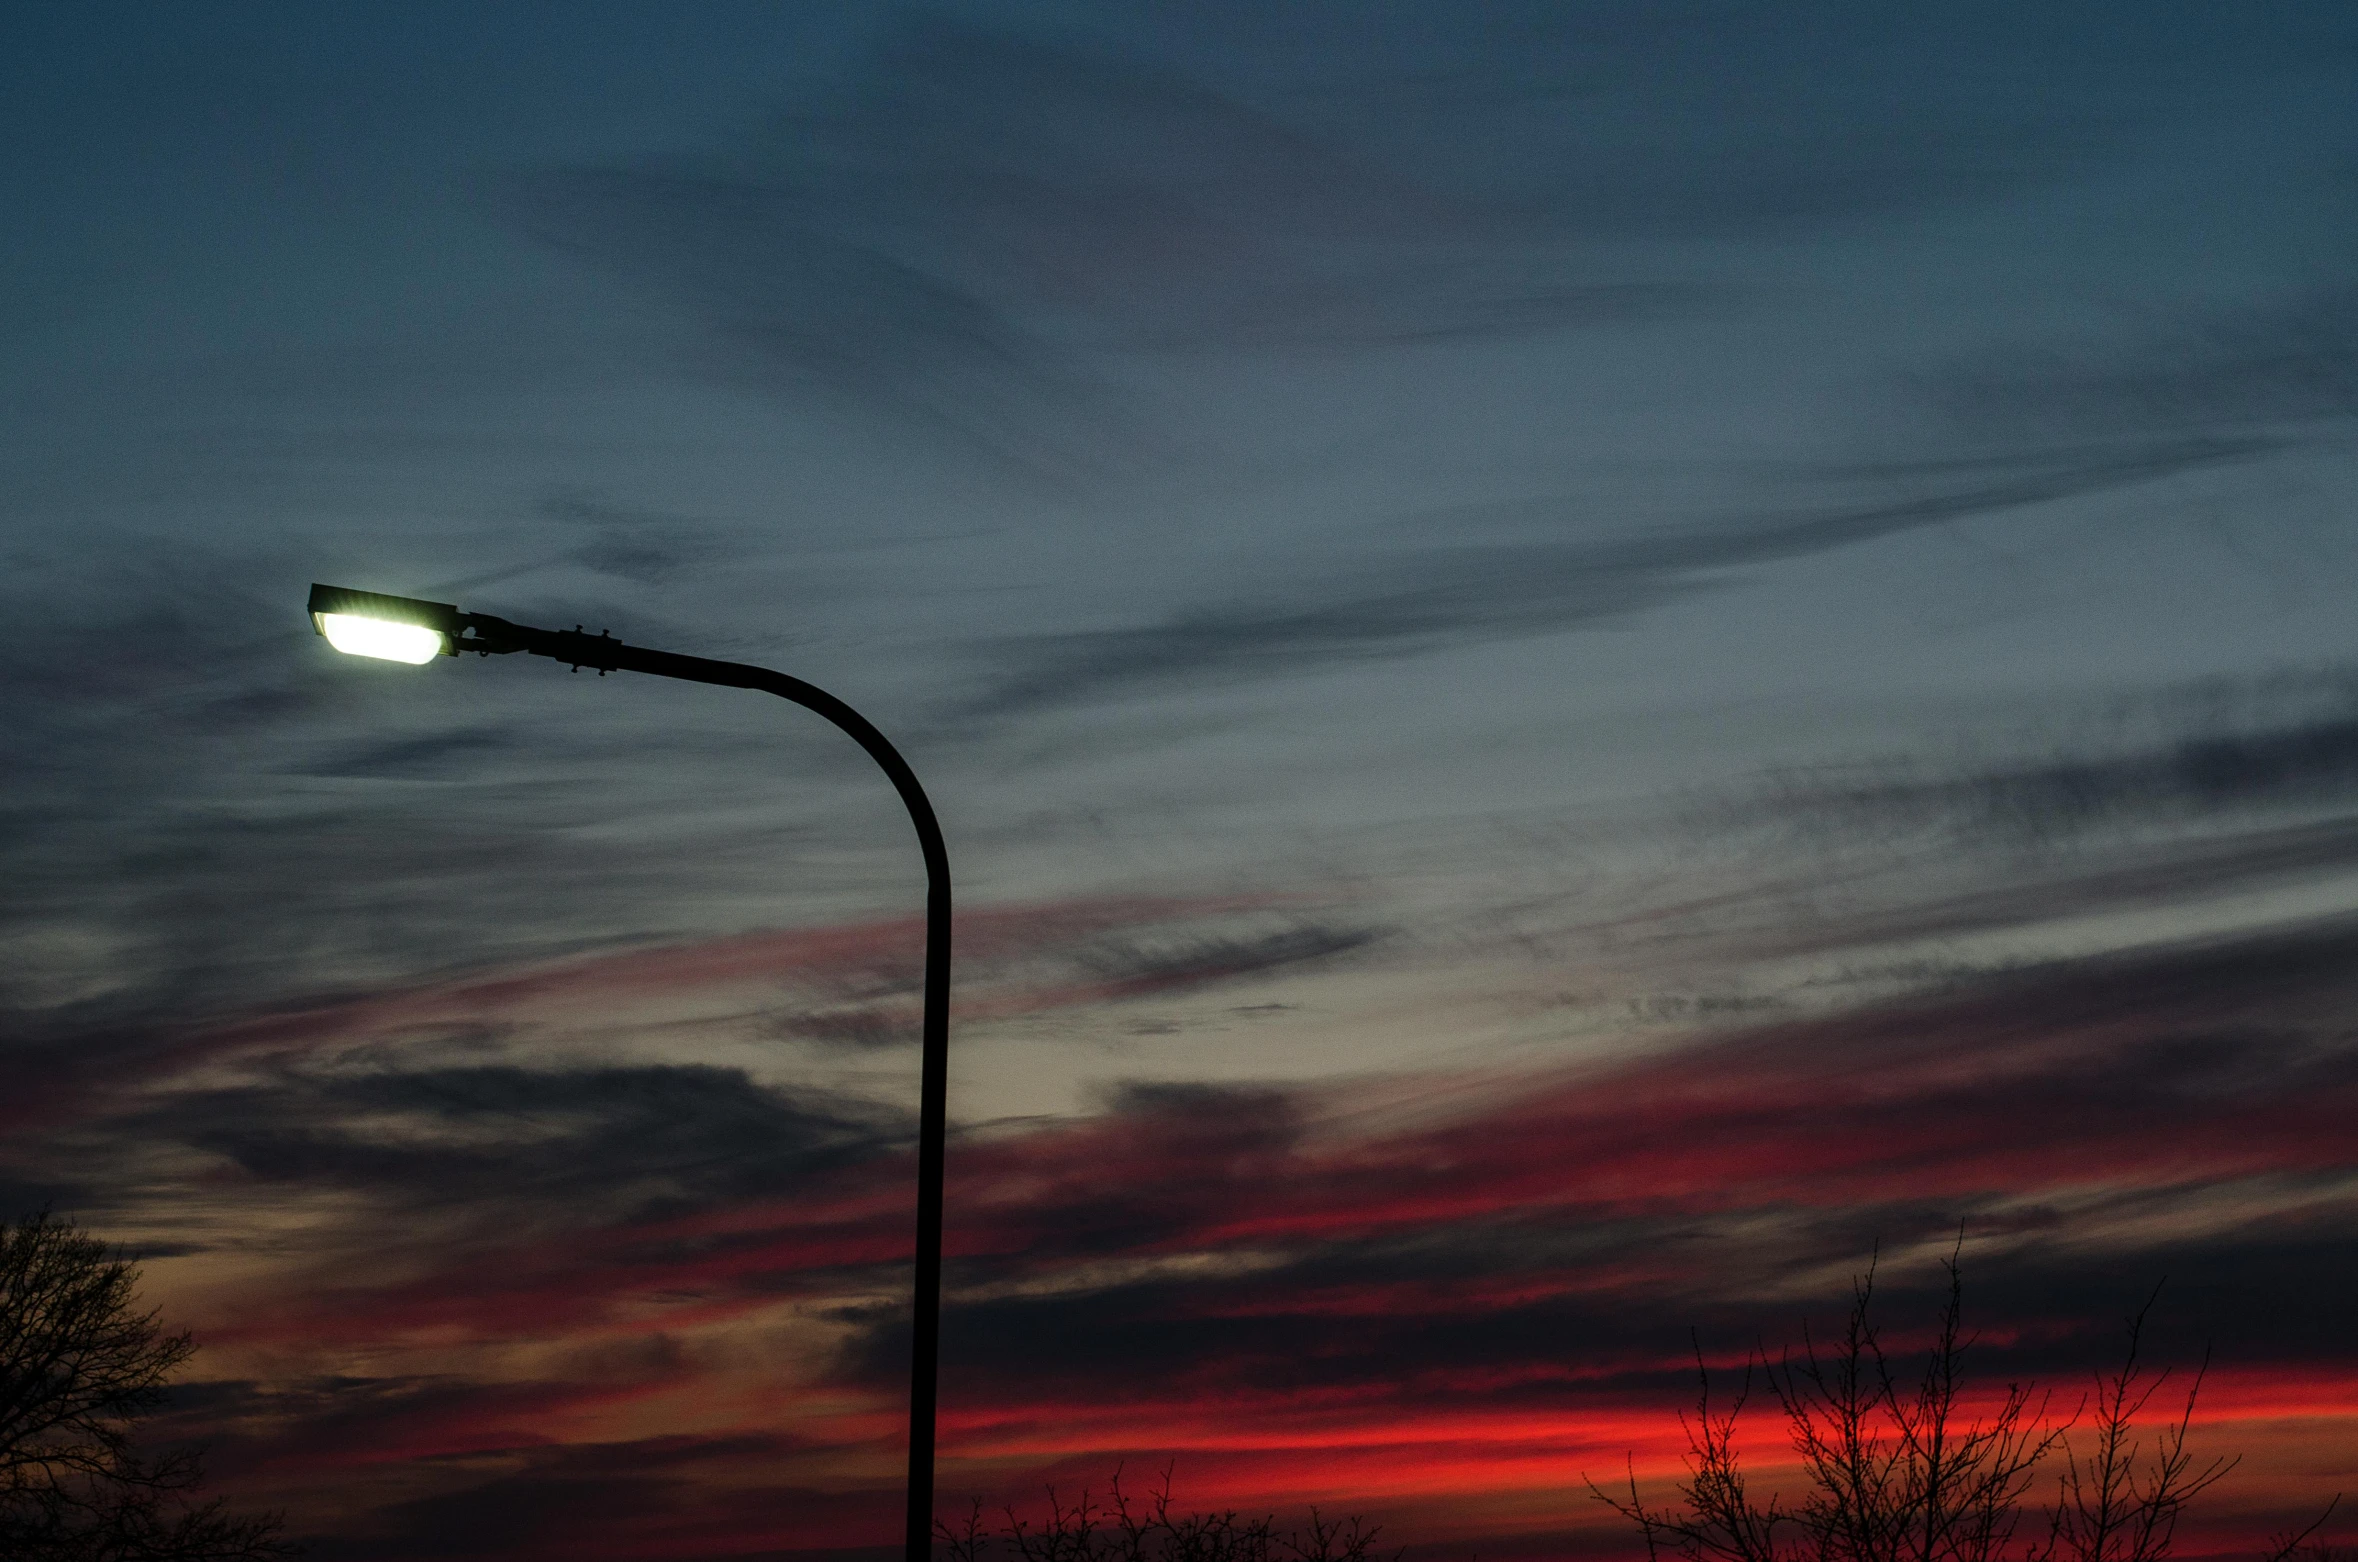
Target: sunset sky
(1584, 663)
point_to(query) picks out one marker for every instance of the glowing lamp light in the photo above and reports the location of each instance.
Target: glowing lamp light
(357, 636)
(392, 629)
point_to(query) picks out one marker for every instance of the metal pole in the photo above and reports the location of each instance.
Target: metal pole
(494, 636)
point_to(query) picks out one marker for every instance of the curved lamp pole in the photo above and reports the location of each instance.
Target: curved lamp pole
(404, 629)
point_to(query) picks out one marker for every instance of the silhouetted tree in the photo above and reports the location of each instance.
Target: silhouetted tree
(1896, 1472)
(1124, 1528)
(80, 1367)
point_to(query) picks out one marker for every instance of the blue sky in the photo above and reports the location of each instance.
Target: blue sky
(1426, 556)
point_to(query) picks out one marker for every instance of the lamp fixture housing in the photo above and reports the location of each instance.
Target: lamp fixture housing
(389, 628)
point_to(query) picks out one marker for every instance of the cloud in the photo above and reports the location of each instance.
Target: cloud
(1284, 1283)
(591, 1144)
(1427, 599)
(977, 233)
(1111, 964)
(433, 756)
(2284, 368)
(189, 806)
(959, 234)
(643, 546)
(1172, 959)
(2220, 772)
(2138, 878)
(1709, 122)
(2174, 1113)
(442, 1088)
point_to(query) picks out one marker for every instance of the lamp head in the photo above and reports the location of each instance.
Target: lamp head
(393, 629)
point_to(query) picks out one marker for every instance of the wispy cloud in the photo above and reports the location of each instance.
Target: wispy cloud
(2285, 369)
(1706, 122)
(960, 234)
(451, 1050)
(2224, 772)
(1427, 599)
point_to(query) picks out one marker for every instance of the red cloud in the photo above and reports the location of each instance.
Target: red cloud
(1445, 1314)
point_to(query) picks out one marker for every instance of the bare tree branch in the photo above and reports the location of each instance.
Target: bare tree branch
(1908, 1473)
(80, 1367)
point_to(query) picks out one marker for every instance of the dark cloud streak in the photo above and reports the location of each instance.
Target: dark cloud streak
(630, 1142)
(1442, 597)
(2275, 368)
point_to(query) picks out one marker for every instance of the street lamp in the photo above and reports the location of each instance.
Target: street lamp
(405, 629)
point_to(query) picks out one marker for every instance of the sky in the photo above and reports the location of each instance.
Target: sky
(1587, 665)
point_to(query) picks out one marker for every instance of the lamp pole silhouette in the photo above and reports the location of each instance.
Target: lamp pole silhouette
(405, 629)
